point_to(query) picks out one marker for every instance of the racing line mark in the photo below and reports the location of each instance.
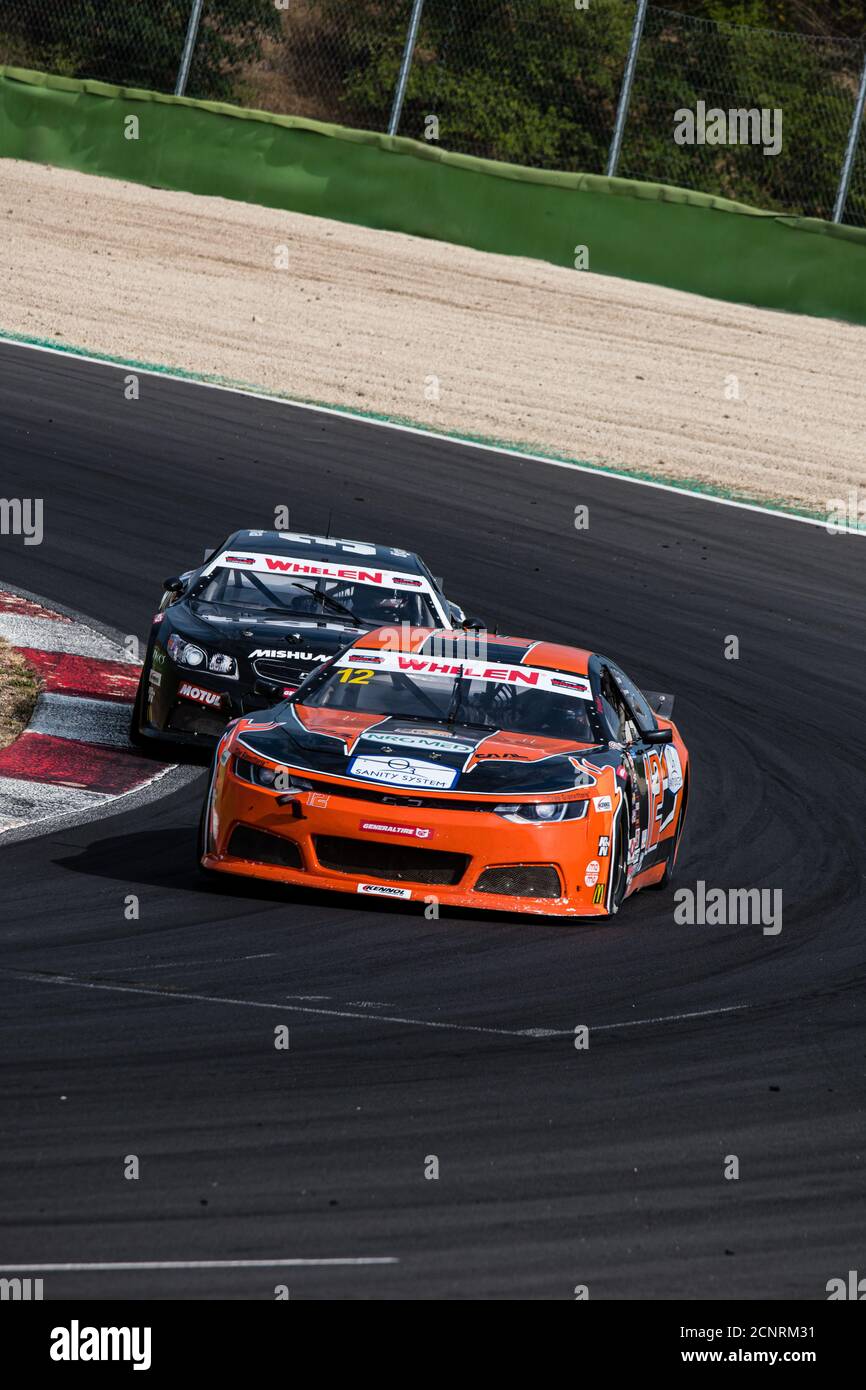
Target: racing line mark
(173, 964)
(170, 992)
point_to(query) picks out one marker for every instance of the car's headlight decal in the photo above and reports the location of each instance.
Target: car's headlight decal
(222, 664)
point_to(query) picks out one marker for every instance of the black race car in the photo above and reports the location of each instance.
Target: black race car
(243, 630)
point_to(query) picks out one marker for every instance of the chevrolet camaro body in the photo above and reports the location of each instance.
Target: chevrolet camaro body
(485, 772)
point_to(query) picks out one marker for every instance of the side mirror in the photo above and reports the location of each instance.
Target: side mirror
(658, 736)
(173, 586)
(477, 623)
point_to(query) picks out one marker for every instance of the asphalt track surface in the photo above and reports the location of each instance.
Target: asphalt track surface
(410, 1037)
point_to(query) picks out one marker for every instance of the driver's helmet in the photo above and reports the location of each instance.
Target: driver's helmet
(565, 719)
(382, 606)
(498, 706)
(491, 704)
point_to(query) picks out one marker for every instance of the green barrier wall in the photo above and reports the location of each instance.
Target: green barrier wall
(640, 231)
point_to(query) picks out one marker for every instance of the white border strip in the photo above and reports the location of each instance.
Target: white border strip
(597, 470)
(198, 1264)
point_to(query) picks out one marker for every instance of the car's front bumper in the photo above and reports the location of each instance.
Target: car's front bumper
(170, 715)
(373, 834)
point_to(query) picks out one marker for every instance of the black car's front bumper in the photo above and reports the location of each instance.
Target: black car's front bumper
(192, 709)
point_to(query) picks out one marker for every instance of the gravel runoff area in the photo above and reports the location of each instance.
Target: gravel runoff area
(609, 371)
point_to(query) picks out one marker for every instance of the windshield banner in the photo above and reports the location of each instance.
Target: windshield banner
(258, 563)
(532, 677)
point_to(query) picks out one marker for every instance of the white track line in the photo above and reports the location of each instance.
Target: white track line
(169, 993)
(669, 1018)
(599, 470)
(199, 1264)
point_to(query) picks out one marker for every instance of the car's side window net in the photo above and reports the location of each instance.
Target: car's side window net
(619, 716)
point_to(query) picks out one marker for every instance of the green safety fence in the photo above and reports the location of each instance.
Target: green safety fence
(639, 231)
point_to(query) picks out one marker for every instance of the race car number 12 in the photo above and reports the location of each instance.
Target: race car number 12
(355, 676)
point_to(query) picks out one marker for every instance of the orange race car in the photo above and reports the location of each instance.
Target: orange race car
(479, 771)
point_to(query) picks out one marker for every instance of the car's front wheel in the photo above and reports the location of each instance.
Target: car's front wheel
(202, 845)
(619, 860)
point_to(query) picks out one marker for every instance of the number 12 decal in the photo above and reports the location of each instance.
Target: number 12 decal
(355, 676)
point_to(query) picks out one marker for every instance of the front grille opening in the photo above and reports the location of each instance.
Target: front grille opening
(263, 848)
(283, 671)
(521, 881)
(186, 719)
(370, 859)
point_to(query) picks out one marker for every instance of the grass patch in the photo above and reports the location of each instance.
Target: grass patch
(19, 688)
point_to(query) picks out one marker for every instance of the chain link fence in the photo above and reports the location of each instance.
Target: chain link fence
(813, 82)
(536, 82)
(139, 43)
(530, 81)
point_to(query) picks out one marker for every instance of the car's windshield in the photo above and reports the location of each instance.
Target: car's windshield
(374, 604)
(526, 701)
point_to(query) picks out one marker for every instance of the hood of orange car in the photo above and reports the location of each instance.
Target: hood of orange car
(405, 756)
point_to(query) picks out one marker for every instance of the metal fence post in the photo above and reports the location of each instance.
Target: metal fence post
(189, 45)
(851, 149)
(625, 93)
(406, 64)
